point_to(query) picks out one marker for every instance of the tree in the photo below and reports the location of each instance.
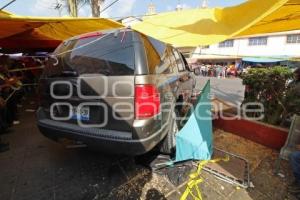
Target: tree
(95, 7)
(73, 6)
(268, 86)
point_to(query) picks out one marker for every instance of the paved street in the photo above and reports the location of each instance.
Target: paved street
(230, 89)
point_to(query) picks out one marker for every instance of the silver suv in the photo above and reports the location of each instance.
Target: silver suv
(117, 91)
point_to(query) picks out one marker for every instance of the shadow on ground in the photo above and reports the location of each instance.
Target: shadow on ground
(37, 168)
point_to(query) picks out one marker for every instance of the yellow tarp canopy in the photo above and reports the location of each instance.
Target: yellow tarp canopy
(46, 32)
(207, 26)
(191, 27)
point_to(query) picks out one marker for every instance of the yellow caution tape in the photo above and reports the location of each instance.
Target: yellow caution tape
(195, 179)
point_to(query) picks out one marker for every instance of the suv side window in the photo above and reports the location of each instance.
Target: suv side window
(173, 60)
(180, 64)
(158, 61)
(165, 67)
(187, 67)
(159, 46)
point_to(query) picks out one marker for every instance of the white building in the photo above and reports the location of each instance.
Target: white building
(129, 21)
(276, 46)
(151, 9)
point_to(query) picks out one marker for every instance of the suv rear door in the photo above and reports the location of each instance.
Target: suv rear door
(94, 76)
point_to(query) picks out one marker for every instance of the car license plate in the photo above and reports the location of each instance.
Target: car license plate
(82, 114)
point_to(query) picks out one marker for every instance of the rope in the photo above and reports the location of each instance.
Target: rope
(26, 69)
(29, 84)
(195, 179)
(16, 89)
(10, 95)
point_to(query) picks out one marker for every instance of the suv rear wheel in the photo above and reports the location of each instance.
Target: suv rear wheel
(197, 72)
(169, 143)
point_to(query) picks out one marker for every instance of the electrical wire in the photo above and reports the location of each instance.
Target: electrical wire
(6, 5)
(111, 4)
(79, 47)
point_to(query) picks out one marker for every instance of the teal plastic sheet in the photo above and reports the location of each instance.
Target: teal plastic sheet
(194, 141)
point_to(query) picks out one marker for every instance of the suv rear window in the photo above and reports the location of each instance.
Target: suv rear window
(107, 54)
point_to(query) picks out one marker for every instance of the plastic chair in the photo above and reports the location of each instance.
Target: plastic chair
(292, 141)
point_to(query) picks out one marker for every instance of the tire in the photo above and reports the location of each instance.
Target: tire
(168, 144)
(197, 71)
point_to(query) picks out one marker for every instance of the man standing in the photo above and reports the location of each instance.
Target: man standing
(203, 70)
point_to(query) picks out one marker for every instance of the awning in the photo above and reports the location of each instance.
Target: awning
(264, 59)
(196, 27)
(191, 27)
(286, 18)
(23, 32)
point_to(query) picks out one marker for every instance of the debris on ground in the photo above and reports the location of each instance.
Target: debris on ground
(32, 172)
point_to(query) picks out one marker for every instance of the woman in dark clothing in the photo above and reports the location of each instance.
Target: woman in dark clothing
(3, 124)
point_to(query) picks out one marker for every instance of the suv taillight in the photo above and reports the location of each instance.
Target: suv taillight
(147, 101)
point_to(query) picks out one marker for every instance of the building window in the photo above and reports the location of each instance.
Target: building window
(227, 43)
(258, 41)
(205, 47)
(293, 39)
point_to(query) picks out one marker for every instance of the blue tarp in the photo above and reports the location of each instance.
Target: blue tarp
(264, 59)
(194, 140)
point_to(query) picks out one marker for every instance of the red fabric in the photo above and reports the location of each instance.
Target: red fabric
(21, 44)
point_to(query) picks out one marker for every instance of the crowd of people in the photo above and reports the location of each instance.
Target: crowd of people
(219, 70)
(15, 79)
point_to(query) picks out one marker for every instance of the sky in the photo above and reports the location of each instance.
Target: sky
(121, 9)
